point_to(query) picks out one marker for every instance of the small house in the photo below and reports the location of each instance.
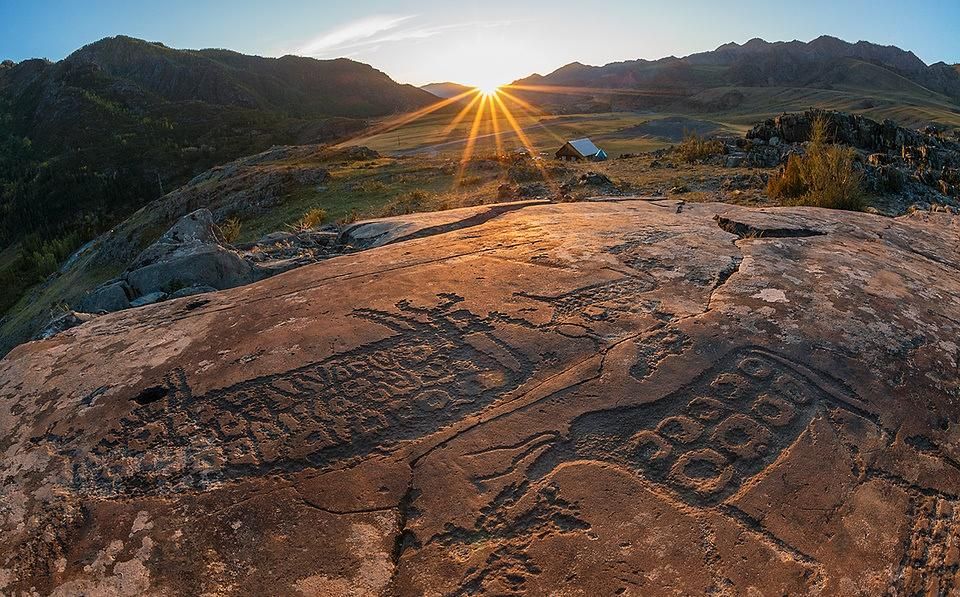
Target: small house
(581, 149)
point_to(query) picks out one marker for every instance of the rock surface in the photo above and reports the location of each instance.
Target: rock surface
(641, 398)
(113, 296)
(384, 231)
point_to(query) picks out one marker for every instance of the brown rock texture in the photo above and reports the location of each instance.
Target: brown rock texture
(636, 398)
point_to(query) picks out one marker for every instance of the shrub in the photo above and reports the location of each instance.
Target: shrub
(371, 187)
(694, 147)
(825, 177)
(310, 220)
(231, 230)
(789, 182)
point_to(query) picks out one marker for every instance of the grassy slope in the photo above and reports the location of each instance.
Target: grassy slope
(545, 133)
(865, 89)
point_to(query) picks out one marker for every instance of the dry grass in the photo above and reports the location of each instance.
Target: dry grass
(231, 230)
(789, 183)
(825, 177)
(694, 148)
(310, 220)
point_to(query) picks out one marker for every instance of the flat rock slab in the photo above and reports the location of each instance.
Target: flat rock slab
(641, 398)
(384, 231)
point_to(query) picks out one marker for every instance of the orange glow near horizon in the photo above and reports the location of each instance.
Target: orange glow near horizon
(486, 106)
(471, 139)
(495, 122)
(448, 130)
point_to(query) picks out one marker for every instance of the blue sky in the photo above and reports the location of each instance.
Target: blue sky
(475, 42)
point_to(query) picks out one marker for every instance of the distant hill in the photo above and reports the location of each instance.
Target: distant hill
(732, 76)
(88, 140)
(446, 90)
(140, 109)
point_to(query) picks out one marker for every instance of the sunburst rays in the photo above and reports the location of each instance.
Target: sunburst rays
(491, 113)
(472, 138)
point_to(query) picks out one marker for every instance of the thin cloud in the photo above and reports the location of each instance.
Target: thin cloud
(353, 34)
(360, 37)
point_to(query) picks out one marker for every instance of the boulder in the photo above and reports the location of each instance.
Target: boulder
(273, 237)
(358, 153)
(533, 189)
(594, 179)
(113, 296)
(190, 265)
(631, 397)
(189, 254)
(735, 160)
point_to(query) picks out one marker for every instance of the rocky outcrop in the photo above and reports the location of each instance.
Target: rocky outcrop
(649, 398)
(189, 254)
(244, 188)
(63, 322)
(921, 166)
(593, 182)
(112, 296)
(849, 129)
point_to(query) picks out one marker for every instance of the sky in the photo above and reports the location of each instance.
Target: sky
(483, 43)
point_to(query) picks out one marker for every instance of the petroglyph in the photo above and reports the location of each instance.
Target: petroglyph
(522, 517)
(931, 564)
(601, 301)
(441, 363)
(605, 411)
(697, 447)
(705, 441)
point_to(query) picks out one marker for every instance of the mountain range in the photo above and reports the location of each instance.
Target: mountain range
(731, 76)
(446, 89)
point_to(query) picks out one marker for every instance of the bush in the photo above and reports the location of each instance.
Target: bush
(789, 182)
(694, 148)
(231, 230)
(310, 220)
(825, 177)
(371, 187)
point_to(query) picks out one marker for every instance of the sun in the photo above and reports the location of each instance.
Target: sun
(488, 89)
